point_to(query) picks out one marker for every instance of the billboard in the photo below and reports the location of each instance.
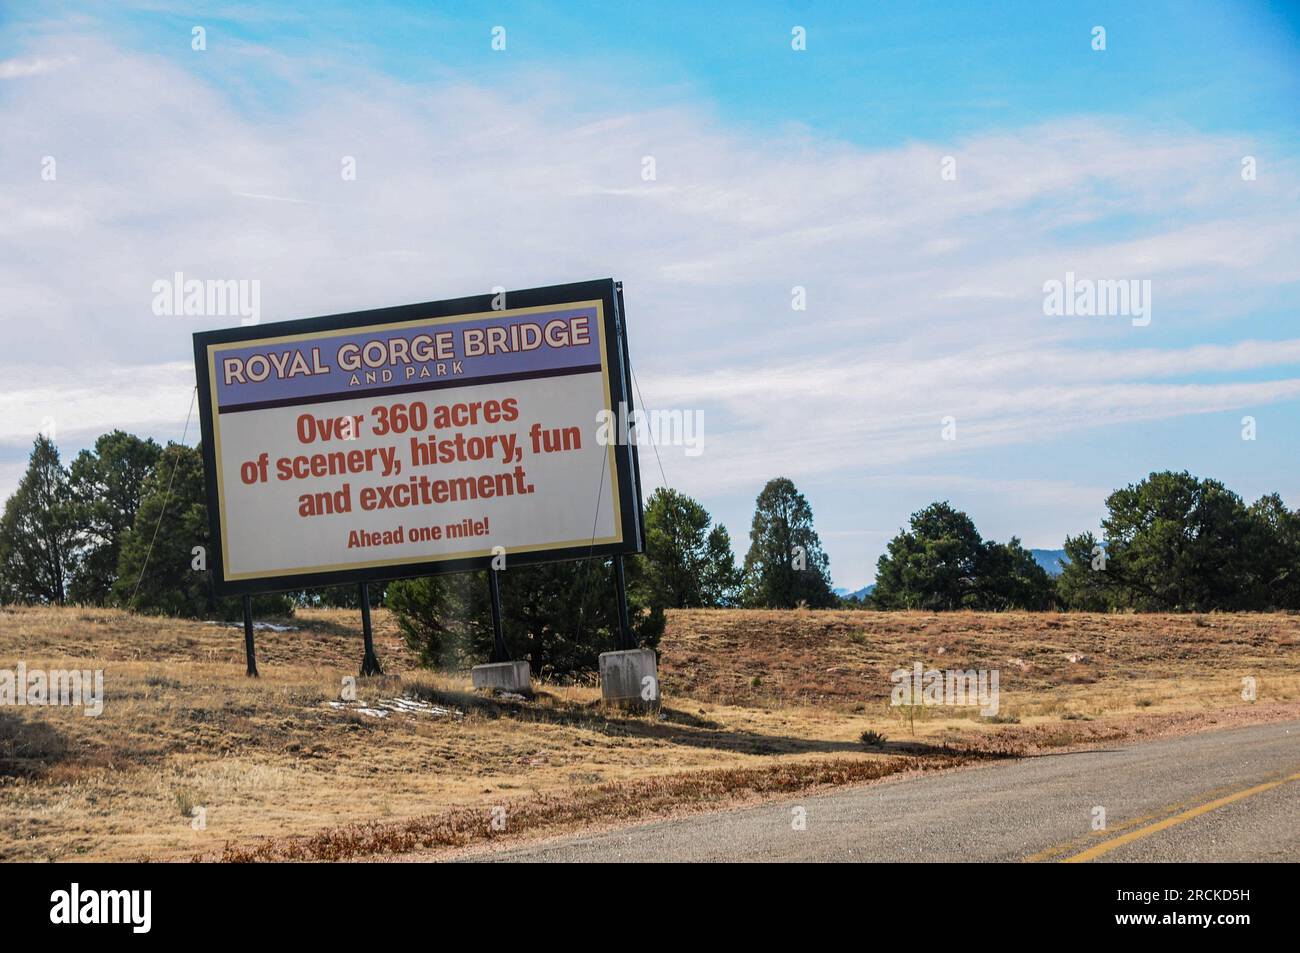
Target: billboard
(416, 440)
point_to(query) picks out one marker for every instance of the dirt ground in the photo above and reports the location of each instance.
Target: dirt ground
(190, 758)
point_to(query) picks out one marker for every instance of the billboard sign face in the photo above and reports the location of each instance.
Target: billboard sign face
(419, 439)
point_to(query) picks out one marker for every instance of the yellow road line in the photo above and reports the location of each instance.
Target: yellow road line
(1104, 848)
(1053, 854)
(1079, 843)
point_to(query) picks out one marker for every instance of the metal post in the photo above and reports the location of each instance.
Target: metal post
(625, 640)
(369, 664)
(499, 651)
(250, 652)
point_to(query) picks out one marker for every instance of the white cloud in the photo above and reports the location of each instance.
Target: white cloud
(924, 296)
(149, 399)
(869, 414)
(32, 66)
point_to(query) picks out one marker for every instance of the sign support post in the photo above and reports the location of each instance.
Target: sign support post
(499, 651)
(250, 651)
(629, 676)
(369, 664)
(625, 640)
(501, 673)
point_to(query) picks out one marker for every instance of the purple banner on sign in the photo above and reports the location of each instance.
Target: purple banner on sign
(353, 362)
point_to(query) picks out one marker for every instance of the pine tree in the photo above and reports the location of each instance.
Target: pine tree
(37, 531)
(559, 616)
(785, 566)
(687, 563)
(106, 486)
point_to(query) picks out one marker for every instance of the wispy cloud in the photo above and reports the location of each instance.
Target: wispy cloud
(25, 66)
(144, 398)
(924, 296)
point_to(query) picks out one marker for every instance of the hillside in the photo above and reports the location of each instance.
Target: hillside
(756, 704)
(844, 659)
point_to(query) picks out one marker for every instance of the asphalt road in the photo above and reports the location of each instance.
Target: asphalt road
(1214, 796)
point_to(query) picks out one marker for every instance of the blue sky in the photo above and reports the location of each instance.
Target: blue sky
(878, 74)
(775, 168)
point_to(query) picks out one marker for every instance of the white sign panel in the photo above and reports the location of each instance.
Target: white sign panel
(417, 440)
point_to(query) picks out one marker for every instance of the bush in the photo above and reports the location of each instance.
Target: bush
(434, 616)
(558, 616)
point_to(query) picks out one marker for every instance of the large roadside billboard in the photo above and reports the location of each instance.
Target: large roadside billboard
(418, 439)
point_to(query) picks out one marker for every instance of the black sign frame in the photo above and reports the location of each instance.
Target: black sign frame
(627, 464)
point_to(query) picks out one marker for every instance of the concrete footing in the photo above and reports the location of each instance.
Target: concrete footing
(503, 676)
(630, 678)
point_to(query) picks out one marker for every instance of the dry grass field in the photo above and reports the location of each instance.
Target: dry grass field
(755, 704)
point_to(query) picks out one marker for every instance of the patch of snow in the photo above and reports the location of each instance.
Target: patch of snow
(404, 705)
(360, 709)
(257, 626)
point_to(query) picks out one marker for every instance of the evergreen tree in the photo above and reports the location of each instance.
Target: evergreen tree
(1084, 583)
(688, 564)
(1177, 543)
(1275, 543)
(941, 563)
(934, 565)
(1008, 577)
(559, 616)
(785, 565)
(37, 531)
(106, 487)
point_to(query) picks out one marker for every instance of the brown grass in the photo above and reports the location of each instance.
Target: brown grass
(843, 659)
(755, 704)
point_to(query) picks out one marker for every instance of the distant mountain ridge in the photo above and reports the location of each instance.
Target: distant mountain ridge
(1052, 560)
(858, 594)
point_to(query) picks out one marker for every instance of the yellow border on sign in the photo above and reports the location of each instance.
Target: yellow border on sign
(417, 322)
